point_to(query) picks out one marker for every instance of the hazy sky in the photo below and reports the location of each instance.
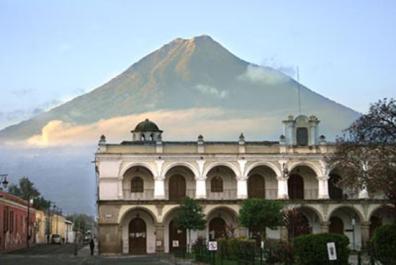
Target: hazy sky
(51, 51)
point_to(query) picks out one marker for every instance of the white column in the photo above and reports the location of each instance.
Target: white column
(242, 188)
(200, 188)
(282, 188)
(119, 187)
(159, 189)
(323, 188)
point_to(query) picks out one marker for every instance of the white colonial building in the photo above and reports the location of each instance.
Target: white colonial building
(141, 183)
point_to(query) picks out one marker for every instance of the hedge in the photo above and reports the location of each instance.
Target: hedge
(312, 249)
(383, 244)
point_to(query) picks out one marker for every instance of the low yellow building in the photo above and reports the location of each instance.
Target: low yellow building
(59, 225)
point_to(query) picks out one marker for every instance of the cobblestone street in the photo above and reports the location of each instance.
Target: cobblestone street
(63, 255)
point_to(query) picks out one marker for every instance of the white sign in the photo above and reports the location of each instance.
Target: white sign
(175, 243)
(212, 245)
(262, 244)
(159, 243)
(331, 251)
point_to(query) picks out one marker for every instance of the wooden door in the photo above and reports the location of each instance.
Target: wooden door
(217, 228)
(137, 236)
(375, 222)
(177, 187)
(336, 225)
(295, 185)
(335, 192)
(256, 186)
(179, 235)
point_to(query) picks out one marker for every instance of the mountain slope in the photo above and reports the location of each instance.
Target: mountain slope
(187, 73)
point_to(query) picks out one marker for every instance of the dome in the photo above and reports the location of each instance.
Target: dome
(146, 126)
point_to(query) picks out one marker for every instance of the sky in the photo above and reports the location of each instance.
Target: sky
(52, 51)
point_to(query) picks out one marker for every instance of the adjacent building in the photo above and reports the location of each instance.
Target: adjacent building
(141, 183)
(14, 227)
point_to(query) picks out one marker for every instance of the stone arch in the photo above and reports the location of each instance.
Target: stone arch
(229, 165)
(358, 212)
(312, 209)
(226, 208)
(228, 215)
(147, 179)
(149, 220)
(125, 212)
(270, 165)
(317, 170)
(130, 165)
(379, 208)
(188, 165)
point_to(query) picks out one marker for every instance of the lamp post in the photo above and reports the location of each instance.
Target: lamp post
(4, 181)
(28, 235)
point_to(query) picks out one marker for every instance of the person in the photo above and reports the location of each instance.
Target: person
(92, 246)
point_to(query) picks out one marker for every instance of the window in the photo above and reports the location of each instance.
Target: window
(6, 219)
(302, 136)
(11, 221)
(137, 184)
(216, 184)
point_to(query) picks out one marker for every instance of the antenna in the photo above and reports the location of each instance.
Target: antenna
(299, 90)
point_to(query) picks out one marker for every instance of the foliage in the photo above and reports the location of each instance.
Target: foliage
(277, 251)
(296, 223)
(237, 249)
(258, 214)
(312, 249)
(190, 217)
(383, 244)
(366, 153)
(82, 222)
(200, 250)
(26, 190)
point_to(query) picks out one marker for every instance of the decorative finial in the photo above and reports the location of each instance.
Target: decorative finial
(102, 140)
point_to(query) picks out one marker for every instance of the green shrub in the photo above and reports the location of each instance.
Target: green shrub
(277, 251)
(383, 244)
(312, 249)
(233, 249)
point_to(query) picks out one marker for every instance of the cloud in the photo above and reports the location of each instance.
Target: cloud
(211, 91)
(264, 75)
(186, 124)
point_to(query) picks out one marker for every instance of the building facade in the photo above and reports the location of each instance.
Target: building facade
(13, 222)
(141, 183)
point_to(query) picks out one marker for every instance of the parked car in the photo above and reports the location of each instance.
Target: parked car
(56, 239)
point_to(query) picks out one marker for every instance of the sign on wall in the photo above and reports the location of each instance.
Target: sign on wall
(175, 243)
(331, 251)
(212, 246)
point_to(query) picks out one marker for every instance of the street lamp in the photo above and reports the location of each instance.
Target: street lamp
(4, 181)
(28, 235)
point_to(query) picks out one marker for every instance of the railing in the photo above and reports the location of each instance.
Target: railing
(148, 194)
(226, 194)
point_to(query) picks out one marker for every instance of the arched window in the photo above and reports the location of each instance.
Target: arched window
(137, 184)
(216, 184)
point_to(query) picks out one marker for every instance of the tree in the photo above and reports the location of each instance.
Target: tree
(81, 222)
(26, 190)
(366, 153)
(190, 217)
(258, 214)
(296, 223)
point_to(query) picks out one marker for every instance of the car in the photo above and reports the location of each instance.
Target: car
(56, 239)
